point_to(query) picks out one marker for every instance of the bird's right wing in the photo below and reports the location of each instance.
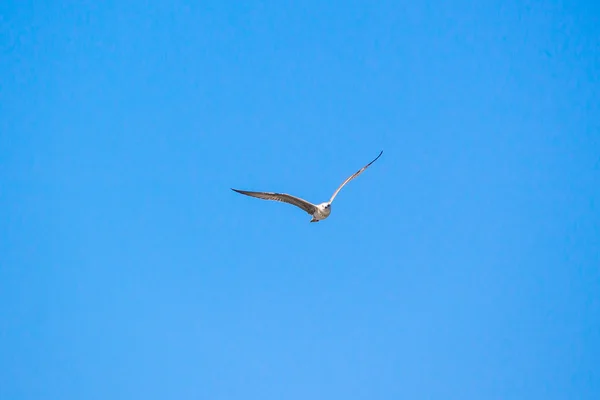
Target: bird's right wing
(286, 198)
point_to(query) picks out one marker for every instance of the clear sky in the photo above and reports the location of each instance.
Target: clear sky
(463, 264)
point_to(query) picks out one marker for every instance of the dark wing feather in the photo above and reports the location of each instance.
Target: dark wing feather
(357, 173)
(286, 198)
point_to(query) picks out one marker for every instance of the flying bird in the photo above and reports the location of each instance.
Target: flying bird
(318, 211)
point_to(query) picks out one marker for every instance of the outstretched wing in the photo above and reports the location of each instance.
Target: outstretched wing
(286, 198)
(357, 173)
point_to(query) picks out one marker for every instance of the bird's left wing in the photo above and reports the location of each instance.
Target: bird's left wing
(357, 173)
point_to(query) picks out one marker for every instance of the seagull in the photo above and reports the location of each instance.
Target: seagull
(318, 211)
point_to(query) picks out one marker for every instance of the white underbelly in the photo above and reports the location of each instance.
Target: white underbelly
(322, 214)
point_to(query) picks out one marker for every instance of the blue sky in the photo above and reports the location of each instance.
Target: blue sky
(463, 264)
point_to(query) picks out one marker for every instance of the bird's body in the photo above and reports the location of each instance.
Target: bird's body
(320, 211)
